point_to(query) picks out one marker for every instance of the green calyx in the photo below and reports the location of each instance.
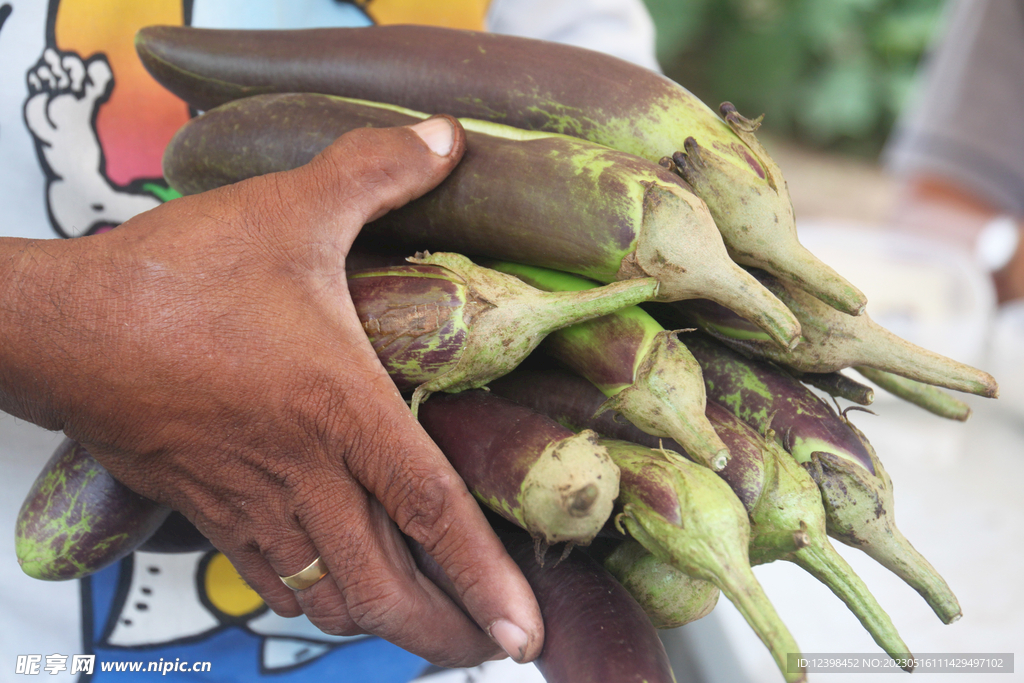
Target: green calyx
(691, 262)
(791, 499)
(932, 399)
(833, 341)
(709, 541)
(667, 398)
(670, 597)
(751, 205)
(859, 512)
(516, 320)
(665, 393)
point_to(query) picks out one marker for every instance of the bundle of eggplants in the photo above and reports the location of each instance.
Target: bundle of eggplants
(582, 163)
(529, 84)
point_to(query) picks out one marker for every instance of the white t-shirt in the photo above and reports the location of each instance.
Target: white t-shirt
(82, 128)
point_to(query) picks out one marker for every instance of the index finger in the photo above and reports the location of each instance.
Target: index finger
(429, 502)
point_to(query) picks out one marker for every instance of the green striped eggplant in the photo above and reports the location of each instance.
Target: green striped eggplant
(447, 324)
(647, 374)
(831, 341)
(77, 519)
(536, 198)
(782, 501)
(511, 80)
(686, 516)
(768, 398)
(670, 597)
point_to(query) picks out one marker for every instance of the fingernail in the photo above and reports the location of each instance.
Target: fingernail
(438, 133)
(510, 637)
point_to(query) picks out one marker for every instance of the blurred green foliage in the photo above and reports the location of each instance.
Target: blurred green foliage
(834, 73)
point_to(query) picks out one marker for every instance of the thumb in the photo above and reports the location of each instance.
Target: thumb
(369, 171)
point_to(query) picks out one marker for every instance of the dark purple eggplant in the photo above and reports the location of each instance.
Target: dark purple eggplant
(594, 631)
(176, 535)
(510, 80)
(536, 198)
(556, 484)
(77, 519)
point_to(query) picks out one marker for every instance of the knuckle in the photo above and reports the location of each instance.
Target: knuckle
(375, 604)
(333, 620)
(420, 504)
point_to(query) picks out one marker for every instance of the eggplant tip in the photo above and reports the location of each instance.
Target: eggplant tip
(719, 460)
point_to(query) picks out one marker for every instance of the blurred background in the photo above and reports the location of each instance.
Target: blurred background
(894, 124)
(832, 74)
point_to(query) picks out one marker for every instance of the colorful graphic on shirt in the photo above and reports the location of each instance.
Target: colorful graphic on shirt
(193, 607)
(139, 117)
(100, 146)
(465, 14)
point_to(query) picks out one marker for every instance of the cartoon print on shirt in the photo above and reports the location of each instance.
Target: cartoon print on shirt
(65, 94)
(194, 607)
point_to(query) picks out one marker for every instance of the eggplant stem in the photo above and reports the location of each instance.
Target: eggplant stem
(825, 564)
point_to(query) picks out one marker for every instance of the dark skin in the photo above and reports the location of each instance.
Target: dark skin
(209, 355)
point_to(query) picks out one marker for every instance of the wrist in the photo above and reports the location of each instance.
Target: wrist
(35, 303)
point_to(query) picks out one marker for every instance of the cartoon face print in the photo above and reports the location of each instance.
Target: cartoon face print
(65, 93)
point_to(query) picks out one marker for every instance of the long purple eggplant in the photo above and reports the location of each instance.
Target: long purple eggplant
(556, 484)
(831, 341)
(446, 324)
(78, 519)
(537, 198)
(594, 631)
(511, 80)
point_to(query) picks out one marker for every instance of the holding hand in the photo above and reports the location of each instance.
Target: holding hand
(207, 352)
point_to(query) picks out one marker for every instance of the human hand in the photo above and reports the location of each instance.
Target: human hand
(209, 355)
